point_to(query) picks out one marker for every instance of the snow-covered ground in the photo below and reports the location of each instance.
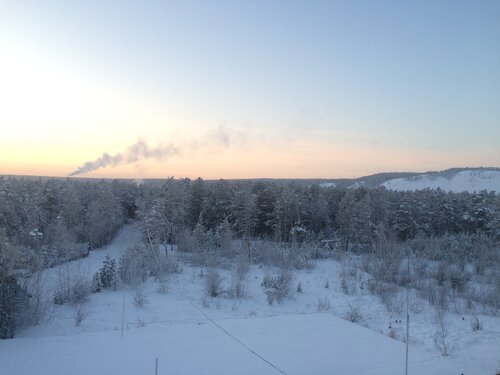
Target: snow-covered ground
(468, 180)
(86, 267)
(328, 184)
(292, 336)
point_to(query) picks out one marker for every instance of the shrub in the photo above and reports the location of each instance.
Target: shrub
(79, 314)
(238, 290)
(277, 287)
(213, 283)
(162, 287)
(134, 265)
(442, 341)
(476, 324)
(140, 299)
(385, 291)
(72, 287)
(353, 314)
(165, 267)
(347, 285)
(323, 305)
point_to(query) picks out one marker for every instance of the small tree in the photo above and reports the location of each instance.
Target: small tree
(107, 273)
(441, 338)
(96, 283)
(10, 293)
(105, 278)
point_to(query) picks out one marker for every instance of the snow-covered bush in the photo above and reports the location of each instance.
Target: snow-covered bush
(385, 291)
(347, 285)
(442, 340)
(213, 283)
(323, 305)
(166, 266)
(140, 298)
(72, 286)
(238, 289)
(475, 323)
(277, 287)
(353, 313)
(79, 314)
(162, 287)
(134, 265)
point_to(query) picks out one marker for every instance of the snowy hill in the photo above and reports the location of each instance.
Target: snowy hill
(470, 180)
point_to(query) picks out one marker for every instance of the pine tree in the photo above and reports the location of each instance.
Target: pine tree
(96, 283)
(107, 273)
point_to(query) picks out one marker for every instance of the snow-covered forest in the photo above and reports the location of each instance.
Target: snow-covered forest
(235, 247)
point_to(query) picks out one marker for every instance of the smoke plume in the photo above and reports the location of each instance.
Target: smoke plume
(139, 150)
(220, 137)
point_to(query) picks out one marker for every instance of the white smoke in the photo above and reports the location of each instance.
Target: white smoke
(219, 136)
(138, 151)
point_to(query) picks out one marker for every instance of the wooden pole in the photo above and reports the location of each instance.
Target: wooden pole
(123, 315)
(156, 366)
(407, 314)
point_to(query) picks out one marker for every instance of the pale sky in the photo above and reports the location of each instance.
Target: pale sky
(244, 89)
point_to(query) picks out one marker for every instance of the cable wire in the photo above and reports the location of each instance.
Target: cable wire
(238, 341)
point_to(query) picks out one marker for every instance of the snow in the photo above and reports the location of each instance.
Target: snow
(328, 184)
(467, 180)
(89, 265)
(293, 336)
(298, 344)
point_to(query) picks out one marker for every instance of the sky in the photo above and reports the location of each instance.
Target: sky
(248, 89)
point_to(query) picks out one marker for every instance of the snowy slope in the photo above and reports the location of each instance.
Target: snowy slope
(292, 335)
(296, 344)
(467, 180)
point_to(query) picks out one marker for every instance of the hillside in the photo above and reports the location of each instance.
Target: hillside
(192, 334)
(470, 180)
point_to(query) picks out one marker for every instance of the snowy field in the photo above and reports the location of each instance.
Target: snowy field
(252, 335)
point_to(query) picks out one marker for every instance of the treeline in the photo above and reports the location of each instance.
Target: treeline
(52, 221)
(356, 217)
(46, 222)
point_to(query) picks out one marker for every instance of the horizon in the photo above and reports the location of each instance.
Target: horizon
(491, 168)
(248, 90)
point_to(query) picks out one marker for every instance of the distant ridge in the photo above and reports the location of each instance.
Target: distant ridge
(453, 179)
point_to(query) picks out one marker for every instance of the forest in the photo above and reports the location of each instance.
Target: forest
(452, 238)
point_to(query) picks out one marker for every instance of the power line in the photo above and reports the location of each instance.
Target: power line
(238, 341)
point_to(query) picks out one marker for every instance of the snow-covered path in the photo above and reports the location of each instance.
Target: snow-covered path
(89, 265)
